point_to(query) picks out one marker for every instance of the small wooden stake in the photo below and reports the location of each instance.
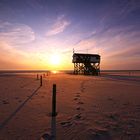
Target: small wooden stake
(37, 77)
(41, 80)
(54, 101)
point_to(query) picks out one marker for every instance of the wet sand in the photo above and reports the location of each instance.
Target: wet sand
(88, 107)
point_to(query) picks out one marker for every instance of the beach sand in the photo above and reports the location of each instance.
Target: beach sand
(88, 107)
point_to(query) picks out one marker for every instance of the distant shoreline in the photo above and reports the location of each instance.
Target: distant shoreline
(65, 71)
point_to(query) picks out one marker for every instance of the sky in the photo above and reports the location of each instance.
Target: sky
(34, 31)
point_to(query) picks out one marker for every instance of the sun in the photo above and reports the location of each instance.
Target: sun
(55, 59)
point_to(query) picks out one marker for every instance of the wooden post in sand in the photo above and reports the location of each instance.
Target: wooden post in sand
(54, 101)
(41, 80)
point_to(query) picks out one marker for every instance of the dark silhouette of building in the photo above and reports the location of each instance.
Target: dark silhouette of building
(87, 64)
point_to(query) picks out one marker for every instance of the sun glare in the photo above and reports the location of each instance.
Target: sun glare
(54, 72)
(55, 59)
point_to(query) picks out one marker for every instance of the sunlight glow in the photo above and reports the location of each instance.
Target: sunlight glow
(55, 59)
(55, 72)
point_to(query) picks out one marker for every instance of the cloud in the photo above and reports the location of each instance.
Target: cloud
(85, 45)
(9, 53)
(13, 37)
(118, 10)
(14, 58)
(10, 58)
(58, 27)
(16, 34)
(116, 43)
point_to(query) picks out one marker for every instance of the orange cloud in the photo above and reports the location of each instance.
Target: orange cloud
(16, 34)
(58, 27)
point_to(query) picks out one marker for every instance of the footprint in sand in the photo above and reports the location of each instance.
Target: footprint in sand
(98, 134)
(113, 116)
(77, 95)
(80, 103)
(79, 108)
(82, 86)
(110, 99)
(46, 137)
(77, 116)
(19, 101)
(76, 98)
(16, 98)
(5, 102)
(66, 123)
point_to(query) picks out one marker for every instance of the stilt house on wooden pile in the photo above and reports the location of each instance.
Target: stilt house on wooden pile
(87, 64)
